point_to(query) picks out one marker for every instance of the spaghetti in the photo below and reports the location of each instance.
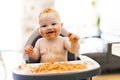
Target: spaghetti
(52, 67)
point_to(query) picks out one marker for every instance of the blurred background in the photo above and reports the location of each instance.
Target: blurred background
(97, 22)
(87, 18)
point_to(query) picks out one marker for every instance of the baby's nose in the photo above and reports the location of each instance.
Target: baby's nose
(50, 27)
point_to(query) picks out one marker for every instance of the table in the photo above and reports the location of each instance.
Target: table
(14, 58)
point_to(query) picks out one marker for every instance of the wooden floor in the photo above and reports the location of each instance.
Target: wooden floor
(115, 76)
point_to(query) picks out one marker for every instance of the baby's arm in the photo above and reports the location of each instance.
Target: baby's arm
(73, 43)
(33, 53)
(29, 50)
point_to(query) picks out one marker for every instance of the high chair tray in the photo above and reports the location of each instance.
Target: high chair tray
(93, 68)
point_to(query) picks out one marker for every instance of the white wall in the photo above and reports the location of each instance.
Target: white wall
(74, 13)
(110, 15)
(78, 16)
(10, 24)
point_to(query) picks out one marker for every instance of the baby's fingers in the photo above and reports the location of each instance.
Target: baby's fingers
(29, 50)
(69, 34)
(29, 47)
(73, 37)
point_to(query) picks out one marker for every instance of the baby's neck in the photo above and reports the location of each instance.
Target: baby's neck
(53, 39)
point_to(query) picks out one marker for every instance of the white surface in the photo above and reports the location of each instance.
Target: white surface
(11, 59)
(110, 37)
(11, 24)
(116, 49)
(93, 45)
(92, 65)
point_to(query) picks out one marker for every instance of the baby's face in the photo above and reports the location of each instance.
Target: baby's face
(50, 25)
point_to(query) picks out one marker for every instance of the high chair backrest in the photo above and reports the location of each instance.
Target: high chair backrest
(35, 36)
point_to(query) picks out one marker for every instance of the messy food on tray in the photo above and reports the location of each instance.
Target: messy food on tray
(51, 67)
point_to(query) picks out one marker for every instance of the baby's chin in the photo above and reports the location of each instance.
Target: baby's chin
(51, 36)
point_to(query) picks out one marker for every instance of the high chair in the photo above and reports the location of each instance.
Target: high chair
(92, 70)
(35, 36)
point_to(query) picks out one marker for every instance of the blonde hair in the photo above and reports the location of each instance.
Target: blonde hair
(48, 10)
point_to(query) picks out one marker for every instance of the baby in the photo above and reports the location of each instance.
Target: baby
(52, 47)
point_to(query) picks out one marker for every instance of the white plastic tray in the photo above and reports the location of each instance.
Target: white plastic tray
(92, 69)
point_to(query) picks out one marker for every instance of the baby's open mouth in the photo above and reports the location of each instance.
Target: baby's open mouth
(50, 32)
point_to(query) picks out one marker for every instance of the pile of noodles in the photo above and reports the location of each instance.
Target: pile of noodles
(52, 67)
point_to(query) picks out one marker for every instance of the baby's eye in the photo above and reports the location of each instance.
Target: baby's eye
(44, 25)
(54, 23)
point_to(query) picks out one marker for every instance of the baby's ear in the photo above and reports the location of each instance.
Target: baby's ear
(61, 25)
(39, 30)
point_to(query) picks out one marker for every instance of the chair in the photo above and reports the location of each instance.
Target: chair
(87, 74)
(35, 36)
(2, 68)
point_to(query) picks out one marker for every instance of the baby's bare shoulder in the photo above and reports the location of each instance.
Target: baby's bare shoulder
(65, 40)
(40, 40)
(60, 38)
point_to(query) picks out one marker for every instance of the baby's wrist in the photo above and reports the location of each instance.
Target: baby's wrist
(31, 52)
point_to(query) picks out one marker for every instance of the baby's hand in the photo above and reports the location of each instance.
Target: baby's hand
(73, 38)
(29, 50)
